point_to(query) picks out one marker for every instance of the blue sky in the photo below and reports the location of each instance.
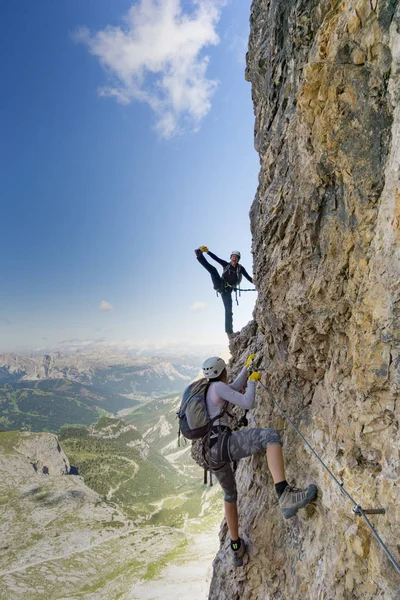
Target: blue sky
(126, 142)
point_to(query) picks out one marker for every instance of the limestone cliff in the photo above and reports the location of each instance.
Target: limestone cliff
(325, 222)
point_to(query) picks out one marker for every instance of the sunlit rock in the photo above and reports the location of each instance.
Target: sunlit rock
(325, 220)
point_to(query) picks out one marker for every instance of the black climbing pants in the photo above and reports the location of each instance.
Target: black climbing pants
(220, 286)
(227, 300)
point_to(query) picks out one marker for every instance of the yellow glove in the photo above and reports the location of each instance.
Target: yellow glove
(249, 360)
(254, 376)
(204, 248)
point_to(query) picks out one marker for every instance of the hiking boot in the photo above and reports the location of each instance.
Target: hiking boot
(294, 498)
(198, 252)
(237, 555)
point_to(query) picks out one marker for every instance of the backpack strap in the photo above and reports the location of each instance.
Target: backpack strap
(219, 442)
(207, 438)
(206, 442)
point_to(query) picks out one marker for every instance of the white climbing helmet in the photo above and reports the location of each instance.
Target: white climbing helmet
(237, 253)
(213, 367)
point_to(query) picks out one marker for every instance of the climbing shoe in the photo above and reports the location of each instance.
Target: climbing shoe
(198, 252)
(237, 555)
(294, 498)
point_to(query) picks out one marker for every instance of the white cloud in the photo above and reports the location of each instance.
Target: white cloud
(105, 306)
(157, 57)
(196, 306)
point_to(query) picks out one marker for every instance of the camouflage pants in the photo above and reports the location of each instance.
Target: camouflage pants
(239, 445)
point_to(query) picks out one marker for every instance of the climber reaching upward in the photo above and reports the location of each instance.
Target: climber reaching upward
(225, 446)
(226, 283)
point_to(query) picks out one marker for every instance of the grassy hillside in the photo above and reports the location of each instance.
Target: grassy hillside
(48, 405)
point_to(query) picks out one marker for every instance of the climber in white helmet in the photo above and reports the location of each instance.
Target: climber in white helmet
(226, 283)
(226, 446)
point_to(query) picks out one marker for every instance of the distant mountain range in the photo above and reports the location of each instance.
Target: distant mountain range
(45, 392)
(88, 367)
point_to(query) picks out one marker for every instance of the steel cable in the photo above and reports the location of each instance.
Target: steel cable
(357, 509)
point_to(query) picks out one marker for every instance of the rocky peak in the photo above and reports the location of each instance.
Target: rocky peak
(24, 453)
(326, 242)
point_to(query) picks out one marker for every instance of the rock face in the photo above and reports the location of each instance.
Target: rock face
(38, 451)
(325, 221)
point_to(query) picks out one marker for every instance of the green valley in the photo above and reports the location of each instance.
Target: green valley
(50, 404)
(125, 469)
(105, 497)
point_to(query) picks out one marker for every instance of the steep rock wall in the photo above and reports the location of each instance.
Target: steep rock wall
(325, 221)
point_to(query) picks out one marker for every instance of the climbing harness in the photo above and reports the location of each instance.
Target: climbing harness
(357, 509)
(237, 273)
(223, 433)
(201, 447)
(236, 290)
(236, 287)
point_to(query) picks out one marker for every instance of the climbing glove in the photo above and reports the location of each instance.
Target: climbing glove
(204, 248)
(254, 376)
(249, 360)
